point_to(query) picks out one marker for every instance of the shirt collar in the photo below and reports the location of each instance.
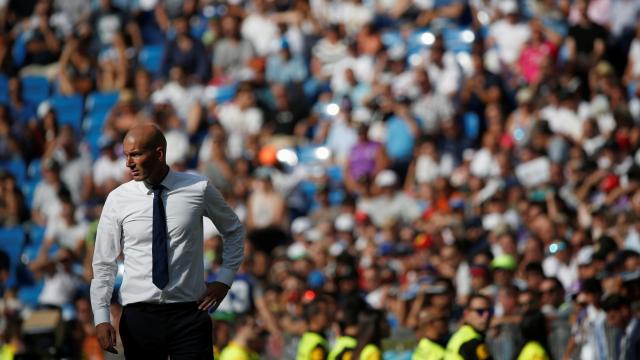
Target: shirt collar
(169, 182)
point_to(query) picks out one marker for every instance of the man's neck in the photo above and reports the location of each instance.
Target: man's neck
(157, 180)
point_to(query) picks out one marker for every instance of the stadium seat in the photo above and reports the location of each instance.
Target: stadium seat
(34, 171)
(93, 123)
(458, 39)
(471, 125)
(19, 49)
(35, 89)
(28, 189)
(4, 90)
(12, 241)
(29, 294)
(69, 110)
(16, 167)
(151, 58)
(101, 102)
(92, 139)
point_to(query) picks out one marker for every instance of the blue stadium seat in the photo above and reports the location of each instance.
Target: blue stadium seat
(36, 235)
(458, 39)
(35, 89)
(4, 89)
(151, 58)
(101, 103)
(226, 93)
(29, 294)
(34, 171)
(28, 189)
(471, 125)
(12, 241)
(16, 167)
(93, 123)
(19, 49)
(92, 139)
(69, 110)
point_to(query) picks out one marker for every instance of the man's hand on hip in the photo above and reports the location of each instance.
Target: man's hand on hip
(216, 291)
(107, 337)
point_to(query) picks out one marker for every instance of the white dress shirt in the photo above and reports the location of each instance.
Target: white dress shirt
(126, 226)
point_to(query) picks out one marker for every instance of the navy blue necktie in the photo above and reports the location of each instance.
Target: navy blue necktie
(159, 248)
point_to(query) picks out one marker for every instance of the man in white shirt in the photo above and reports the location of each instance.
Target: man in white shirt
(155, 222)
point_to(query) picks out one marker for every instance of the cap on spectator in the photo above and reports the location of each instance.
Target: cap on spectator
(508, 7)
(268, 155)
(43, 109)
(479, 270)
(316, 279)
(585, 256)
(503, 262)
(609, 183)
(344, 223)
(524, 95)
(313, 235)
(613, 302)
(300, 225)
(296, 251)
(386, 178)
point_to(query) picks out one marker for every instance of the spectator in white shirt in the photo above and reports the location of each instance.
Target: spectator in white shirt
(240, 119)
(109, 169)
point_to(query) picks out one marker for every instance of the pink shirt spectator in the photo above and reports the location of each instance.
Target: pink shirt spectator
(533, 57)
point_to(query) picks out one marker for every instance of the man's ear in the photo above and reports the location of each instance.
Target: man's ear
(161, 153)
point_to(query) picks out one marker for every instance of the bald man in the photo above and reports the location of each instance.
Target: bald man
(155, 222)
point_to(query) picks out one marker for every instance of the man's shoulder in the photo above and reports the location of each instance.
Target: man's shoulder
(188, 178)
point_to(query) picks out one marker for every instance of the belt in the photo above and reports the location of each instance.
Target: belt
(158, 306)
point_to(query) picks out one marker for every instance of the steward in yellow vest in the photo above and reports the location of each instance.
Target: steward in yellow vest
(468, 342)
(533, 327)
(247, 343)
(313, 345)
(432, 329)
(348, 330)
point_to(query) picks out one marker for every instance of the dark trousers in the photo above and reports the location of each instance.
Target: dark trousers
(161, 331)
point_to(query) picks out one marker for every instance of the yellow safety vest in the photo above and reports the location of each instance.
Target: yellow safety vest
(465, 334)
(371, 352)
(532, 350)
(428, 350)
(235, 351)
(309, 342)
(343, 350)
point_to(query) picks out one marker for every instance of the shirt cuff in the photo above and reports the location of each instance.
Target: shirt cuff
(225, 276)
(101, 316)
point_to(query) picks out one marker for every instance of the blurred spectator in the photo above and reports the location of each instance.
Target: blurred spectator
(534, 331)
(60, 283)
(620, 316)
(65, 231)
(232, 52)
(241, 120)
(46, 204)
(13, 210)
(185, 52)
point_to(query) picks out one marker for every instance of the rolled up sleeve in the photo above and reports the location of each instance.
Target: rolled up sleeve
(231, 230)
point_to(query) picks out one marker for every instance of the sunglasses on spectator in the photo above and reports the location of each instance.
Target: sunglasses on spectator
(482, 311)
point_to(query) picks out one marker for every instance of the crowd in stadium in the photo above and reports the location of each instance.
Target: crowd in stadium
(416, 177)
